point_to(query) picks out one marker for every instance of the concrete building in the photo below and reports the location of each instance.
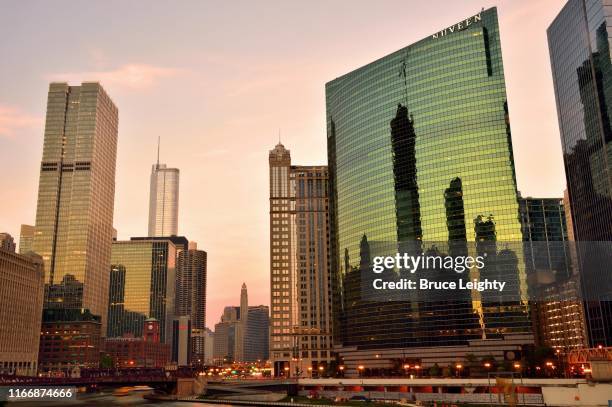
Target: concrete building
(209, 346)
(70, 340)
(301, 323)
(76, 193)
(26, 237)
(181, 341)
(191, 296)
(146, 351)
(242, 333)
(7, 242)
(225, 336)
(256, 344)
(21, 300)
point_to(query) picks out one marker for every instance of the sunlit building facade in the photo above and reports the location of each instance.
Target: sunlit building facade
(300, 319)
(419, 152)
(21, 301)
(142, 285)
(163, 201)
(26, 237)
(74, 215)
(579, 47)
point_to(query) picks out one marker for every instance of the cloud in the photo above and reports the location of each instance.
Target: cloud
(129, 76)
(13, 119)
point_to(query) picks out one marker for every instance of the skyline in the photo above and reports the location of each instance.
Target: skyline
(145, 86)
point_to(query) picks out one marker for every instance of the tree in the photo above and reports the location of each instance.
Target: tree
(106, 362)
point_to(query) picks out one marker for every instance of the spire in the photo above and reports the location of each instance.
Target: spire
(158, 143)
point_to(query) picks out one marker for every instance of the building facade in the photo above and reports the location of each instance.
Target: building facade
(420, 154)
(557, 311)
(70, 340)
(74, 215)
(256, 345)
(146, 351)
(142, 285)
(301, 324)
(21, 301)
(224, 350)
(26, 237)
(191, 295)
(181, 341)
(7, 242)
(163, 201)
(579, 46)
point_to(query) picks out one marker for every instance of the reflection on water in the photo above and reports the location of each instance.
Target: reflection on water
(106, 398)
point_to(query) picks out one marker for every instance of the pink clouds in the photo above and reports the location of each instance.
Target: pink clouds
(13, 119)
(129, 76)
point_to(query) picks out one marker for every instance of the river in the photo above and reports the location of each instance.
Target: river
(106, 398)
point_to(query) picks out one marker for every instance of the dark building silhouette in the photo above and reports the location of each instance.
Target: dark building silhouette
(583, 89)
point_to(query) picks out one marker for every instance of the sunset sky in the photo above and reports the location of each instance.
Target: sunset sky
(216, 81)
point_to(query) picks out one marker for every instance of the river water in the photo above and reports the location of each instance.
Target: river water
(106, 398)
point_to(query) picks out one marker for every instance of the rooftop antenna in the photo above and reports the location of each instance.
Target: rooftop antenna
(158, 142)
(279, 138)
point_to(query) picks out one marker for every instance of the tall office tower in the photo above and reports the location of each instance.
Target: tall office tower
(21, 301)
(420, 156)
(256, 345)
(300, 334)
(74, 215)
(26, 237)
(209, 346)
(163, 200)
(241, 328)
(191, 295)
(558, 315)
(7, 242)
(224, 350)
(142, 285)
(579, 46)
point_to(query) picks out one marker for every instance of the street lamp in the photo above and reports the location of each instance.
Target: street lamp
(360, 368)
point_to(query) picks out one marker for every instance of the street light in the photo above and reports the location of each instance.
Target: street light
(517, 365)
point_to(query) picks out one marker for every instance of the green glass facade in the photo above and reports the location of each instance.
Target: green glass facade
(142, 285)
(419, 150)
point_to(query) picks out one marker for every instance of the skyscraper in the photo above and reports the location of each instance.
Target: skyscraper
(191, 295)
(557, 312)
(420, 155)
(163, 200)
(142, 285)
(26, 237)
(301, 324)
(256, 345)
(74, 216)
(579, 46)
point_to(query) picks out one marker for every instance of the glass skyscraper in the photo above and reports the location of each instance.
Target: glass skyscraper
(142, 285)
(419, 151)
(74, 215)
(579, 46)
(163, 201)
